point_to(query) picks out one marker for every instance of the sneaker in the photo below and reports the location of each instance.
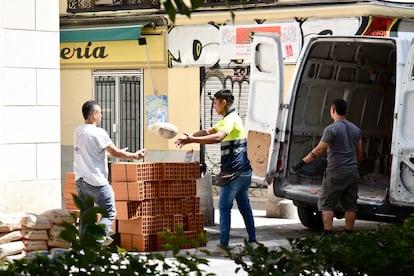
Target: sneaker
(326, 233)
(107, 241)
(219, 252)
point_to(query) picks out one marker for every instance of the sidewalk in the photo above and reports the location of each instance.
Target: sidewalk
(272, 232)
(269, 231)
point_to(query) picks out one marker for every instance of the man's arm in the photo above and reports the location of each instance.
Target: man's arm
(204, 136)
(204, 132)
(313, 154)
(359, 150)
(316, 152)
(123, 154)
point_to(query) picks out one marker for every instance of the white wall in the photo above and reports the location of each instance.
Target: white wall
(29, 106)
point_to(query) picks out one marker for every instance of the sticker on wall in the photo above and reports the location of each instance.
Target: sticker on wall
(235, 39)
(157, 109)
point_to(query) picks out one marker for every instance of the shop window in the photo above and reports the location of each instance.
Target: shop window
(120, 97)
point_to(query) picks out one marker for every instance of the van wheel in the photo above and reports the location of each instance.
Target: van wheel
(310, 217)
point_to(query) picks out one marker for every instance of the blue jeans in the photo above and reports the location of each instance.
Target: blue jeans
(104, 197)
(237, 189)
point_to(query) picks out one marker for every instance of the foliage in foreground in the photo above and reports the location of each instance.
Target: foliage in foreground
(387, 250)
(88, 257)
(384, 251)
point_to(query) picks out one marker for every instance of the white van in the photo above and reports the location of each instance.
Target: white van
(376, 77)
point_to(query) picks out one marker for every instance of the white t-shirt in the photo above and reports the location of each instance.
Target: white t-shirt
(90, 158)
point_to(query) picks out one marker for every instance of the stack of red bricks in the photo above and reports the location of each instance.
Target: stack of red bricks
(155, 197)
(69, 190)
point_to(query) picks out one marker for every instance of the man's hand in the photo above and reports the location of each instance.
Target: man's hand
(183, 140)
(296, 167)
(140, 153)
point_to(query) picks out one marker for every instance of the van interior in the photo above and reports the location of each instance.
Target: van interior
(362, 72)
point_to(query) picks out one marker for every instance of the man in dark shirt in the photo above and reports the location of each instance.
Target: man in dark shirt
(343, 142)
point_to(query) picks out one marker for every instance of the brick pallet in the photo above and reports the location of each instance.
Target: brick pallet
(153, 198)
(69, 189)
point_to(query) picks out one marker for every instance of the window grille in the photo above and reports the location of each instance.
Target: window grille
(120, 97)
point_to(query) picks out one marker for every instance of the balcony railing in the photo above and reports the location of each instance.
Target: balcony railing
(75, 6)
(250, 3)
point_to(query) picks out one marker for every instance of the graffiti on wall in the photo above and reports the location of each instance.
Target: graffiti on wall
(235, 79)
(379, 26)
(226, 46)
(195, 45)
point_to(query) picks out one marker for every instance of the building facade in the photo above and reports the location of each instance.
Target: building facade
(210, 51)
(142, 68)
(30, 179)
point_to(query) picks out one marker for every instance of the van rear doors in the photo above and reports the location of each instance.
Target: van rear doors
(263, 118)
(402, 170)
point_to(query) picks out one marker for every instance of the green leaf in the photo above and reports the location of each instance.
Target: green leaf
(196, 4)
(70, 233)
(182, 7)
(170, 9)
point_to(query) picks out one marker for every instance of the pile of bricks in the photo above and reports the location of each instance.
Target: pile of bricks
(68, 190)
(155, 197)
(151, 198)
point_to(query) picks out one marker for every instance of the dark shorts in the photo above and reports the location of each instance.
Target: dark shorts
(339, 186)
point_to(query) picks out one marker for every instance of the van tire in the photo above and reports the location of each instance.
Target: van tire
(310, 217)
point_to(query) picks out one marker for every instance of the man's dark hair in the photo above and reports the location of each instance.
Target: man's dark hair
(88, 107)
(225, 94)
(340, 106)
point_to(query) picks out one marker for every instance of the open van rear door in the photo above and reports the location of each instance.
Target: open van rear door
(262, 121)
(402, 176)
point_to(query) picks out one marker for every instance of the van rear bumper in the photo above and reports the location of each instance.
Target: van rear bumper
(382, 211)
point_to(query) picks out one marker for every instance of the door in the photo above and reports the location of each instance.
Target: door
(120, 97)
(402, 174)
(265, 100)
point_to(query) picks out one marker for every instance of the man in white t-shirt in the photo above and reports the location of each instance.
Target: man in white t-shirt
(91, 148)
